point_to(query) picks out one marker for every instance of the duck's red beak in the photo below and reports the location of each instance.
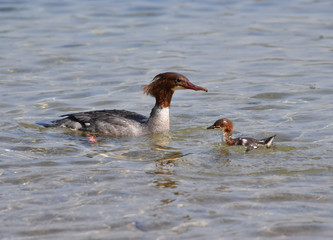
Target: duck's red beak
(190, 85)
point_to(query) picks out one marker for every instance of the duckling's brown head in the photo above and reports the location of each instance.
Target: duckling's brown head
(224, 124)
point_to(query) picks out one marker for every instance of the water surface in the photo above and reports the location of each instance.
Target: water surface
(268, 67)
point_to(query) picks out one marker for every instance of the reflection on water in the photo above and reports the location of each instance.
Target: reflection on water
(165, 183)
(267, 66)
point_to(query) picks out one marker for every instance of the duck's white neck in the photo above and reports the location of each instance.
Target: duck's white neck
(159, 120)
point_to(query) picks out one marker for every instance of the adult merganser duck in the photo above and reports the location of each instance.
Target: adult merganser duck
(122, 123)
(250, 143)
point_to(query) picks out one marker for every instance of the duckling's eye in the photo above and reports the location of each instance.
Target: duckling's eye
(178, 80)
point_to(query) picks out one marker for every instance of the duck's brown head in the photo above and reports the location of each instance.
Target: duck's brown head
(165, 84)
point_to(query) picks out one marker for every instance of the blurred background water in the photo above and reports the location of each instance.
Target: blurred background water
(268, 67)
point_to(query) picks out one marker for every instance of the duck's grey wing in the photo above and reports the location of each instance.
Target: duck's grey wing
(98, 121)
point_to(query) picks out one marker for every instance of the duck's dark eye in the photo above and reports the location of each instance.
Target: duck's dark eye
(178, 80)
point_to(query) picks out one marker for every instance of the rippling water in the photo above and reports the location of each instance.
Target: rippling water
(268, 67)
